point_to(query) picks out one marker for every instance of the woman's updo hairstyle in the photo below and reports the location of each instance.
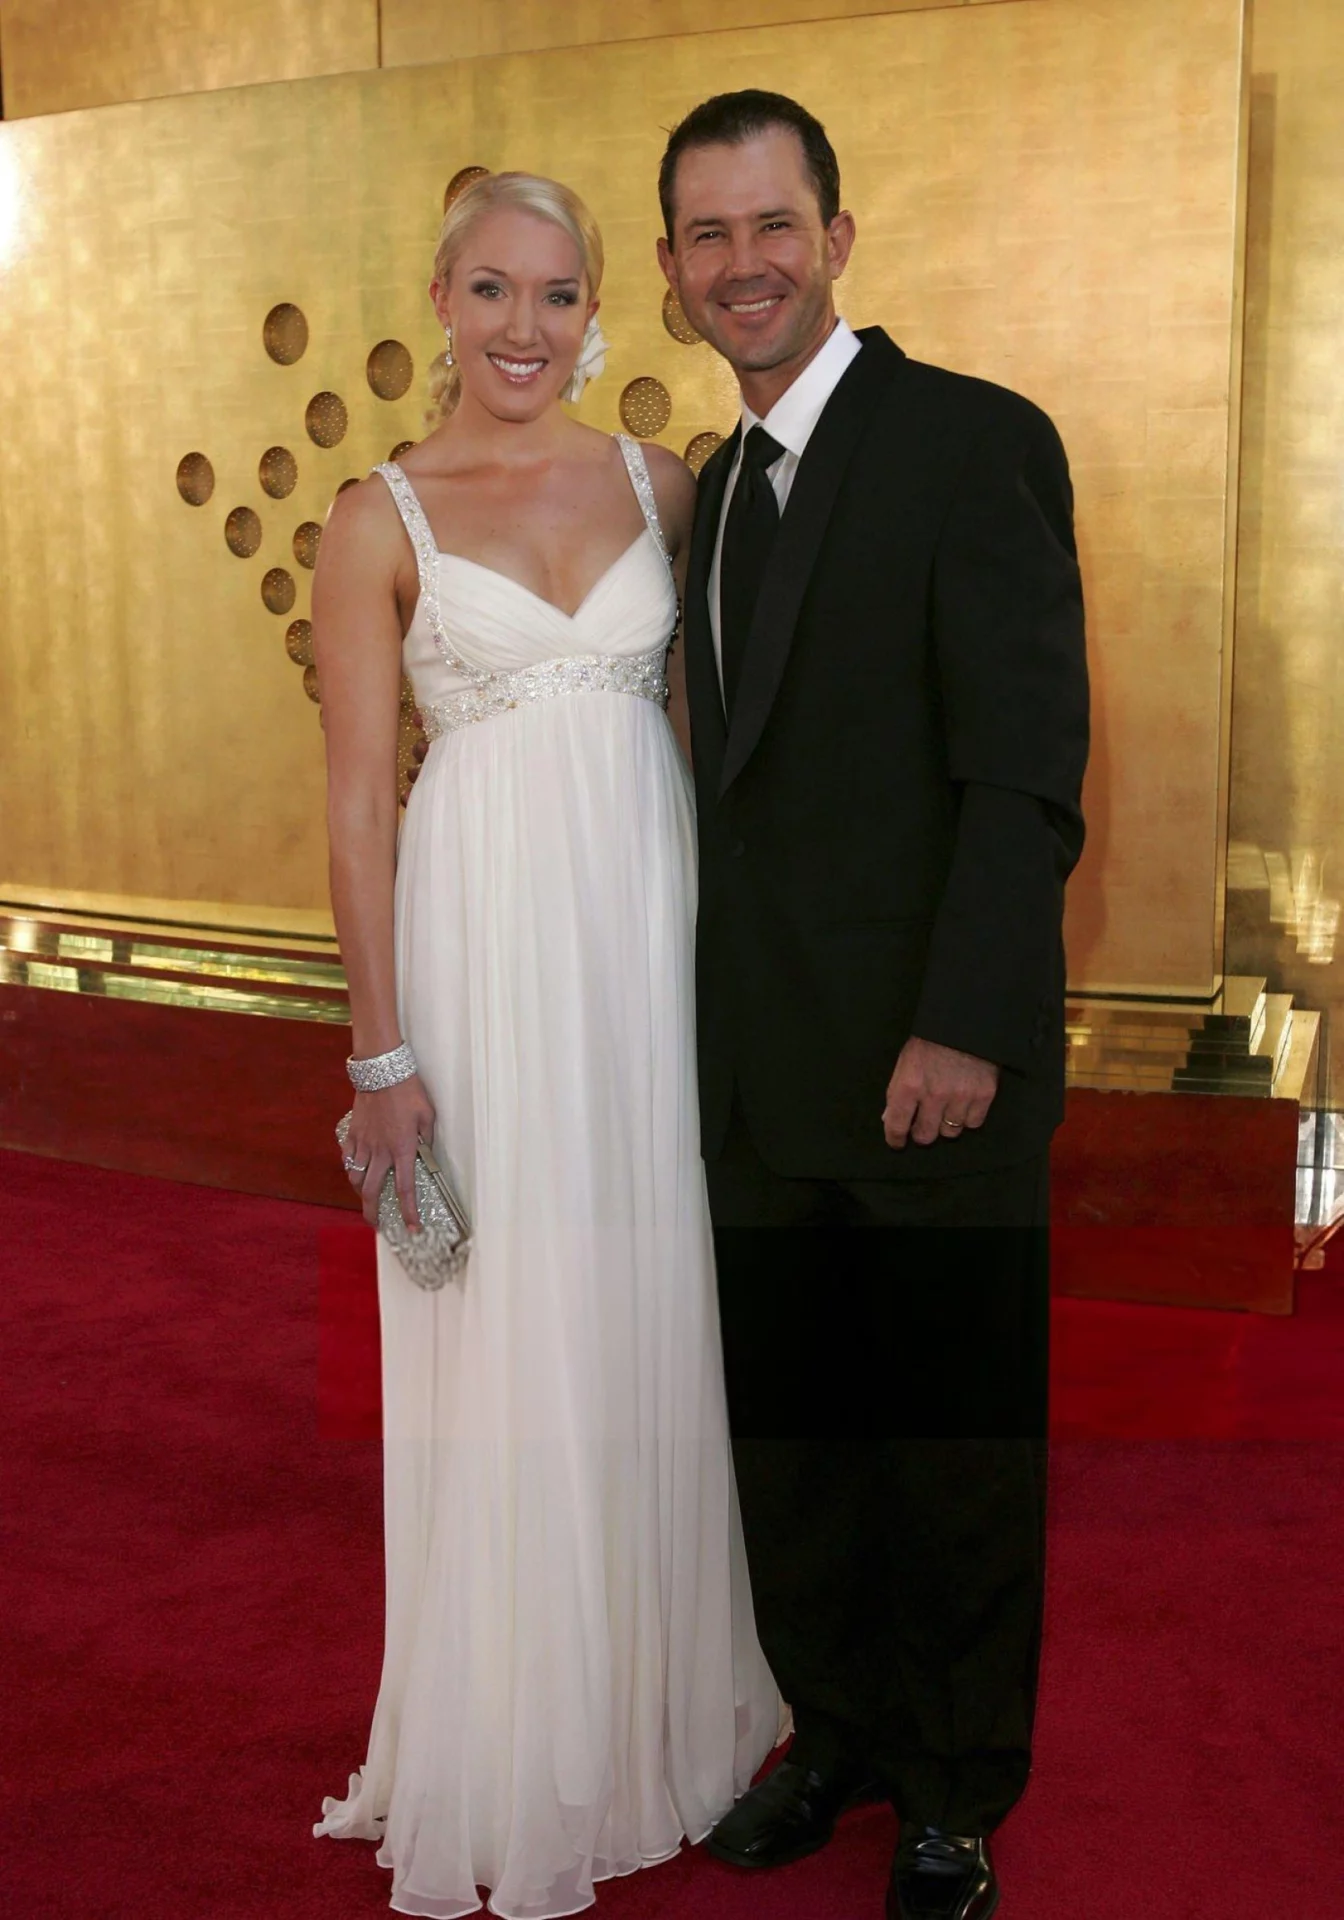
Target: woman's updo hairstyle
(528, 193)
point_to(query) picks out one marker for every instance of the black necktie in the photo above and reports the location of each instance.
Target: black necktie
(748, 534)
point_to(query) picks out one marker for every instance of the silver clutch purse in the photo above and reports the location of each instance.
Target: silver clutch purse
(439, 1252)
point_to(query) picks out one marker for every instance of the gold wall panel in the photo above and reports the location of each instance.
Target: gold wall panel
(1033, 206)
(60, 54)
(417, 32)
(1286, 877)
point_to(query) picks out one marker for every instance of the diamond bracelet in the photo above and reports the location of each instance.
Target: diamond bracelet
(381, 1070)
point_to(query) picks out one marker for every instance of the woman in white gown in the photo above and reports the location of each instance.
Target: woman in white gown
(571, 1679)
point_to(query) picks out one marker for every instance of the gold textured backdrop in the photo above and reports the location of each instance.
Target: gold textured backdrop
(62, 54)
(416, 31)
(57, 55)
(1046, 194)
(1286, 877)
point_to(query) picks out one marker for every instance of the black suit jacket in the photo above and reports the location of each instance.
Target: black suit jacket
(886, 829)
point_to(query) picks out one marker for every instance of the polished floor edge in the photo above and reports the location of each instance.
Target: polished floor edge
(1246, 1041)
(281, 924)
(170, 964)
(101, 982)
(33, 942)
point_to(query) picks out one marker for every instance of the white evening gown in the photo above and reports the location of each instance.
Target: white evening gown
(571, 1677)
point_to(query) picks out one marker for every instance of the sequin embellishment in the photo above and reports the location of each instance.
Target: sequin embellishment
(490, 694)
(637, 467)
(427, 565)
(640, 673)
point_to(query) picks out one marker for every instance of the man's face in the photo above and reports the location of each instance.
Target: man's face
(750, 260)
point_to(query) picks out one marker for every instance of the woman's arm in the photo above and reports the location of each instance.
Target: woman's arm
(674, 490)
(357, 647)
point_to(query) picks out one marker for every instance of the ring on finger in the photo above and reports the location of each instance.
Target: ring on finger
(954, 1126)
(355, 1166)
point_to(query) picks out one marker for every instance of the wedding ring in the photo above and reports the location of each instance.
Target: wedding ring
(354, 1166)
(954, 1126)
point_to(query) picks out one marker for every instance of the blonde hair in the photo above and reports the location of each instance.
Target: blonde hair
(527, 193)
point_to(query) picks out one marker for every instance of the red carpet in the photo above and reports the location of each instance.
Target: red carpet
(192, 1591)
(1120, 1371)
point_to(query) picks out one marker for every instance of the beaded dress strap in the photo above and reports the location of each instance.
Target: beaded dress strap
(638, 469)
(421, 534)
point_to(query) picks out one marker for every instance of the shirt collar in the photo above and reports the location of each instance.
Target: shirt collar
(798, 409)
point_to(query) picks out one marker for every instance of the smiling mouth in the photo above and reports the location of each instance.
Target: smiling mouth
(517, 371)
(749, 307)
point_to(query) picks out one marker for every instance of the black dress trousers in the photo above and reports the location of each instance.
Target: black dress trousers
(886, 1351)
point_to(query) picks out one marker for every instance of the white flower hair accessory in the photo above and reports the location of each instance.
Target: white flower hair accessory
(590, 363)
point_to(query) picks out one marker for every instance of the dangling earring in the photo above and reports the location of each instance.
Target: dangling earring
(592, 359)
(448, 349)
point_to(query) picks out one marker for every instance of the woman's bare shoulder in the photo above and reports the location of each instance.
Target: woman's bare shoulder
(364, 516)
(364, 550)
(674, 489)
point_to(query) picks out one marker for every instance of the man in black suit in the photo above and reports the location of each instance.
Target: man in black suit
(888, 698)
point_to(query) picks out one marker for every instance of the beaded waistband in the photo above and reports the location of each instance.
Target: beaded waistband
(643, 674)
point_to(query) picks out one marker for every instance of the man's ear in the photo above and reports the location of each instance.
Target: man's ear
(667, 260)
(839, 242)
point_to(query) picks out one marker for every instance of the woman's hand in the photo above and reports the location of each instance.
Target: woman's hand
(386, 1129)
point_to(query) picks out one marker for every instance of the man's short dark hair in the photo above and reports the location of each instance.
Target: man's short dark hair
(729, 119)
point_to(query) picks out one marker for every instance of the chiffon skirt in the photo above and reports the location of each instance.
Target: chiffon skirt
(571, 1680)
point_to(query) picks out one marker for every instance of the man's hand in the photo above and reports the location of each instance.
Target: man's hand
(936, 1093)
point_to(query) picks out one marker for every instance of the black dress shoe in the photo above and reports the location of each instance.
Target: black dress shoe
(791, 1813)
(941, 1876)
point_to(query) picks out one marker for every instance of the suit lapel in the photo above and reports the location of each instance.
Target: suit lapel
(798, 542)
(704, 692)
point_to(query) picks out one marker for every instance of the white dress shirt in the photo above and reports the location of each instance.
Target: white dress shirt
(790, 421)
